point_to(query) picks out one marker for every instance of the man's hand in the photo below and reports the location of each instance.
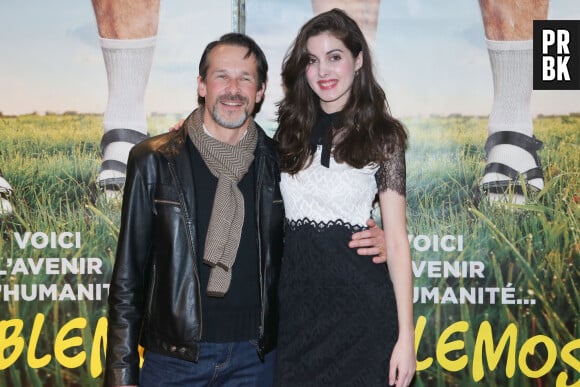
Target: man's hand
(370, 242)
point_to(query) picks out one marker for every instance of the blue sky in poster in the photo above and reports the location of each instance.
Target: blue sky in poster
(431, 54)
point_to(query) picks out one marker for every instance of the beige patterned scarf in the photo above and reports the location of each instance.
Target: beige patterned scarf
(229, 163)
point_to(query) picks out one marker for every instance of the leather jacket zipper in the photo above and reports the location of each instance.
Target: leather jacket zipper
(162, 201)
(152, 292)
(259, 184)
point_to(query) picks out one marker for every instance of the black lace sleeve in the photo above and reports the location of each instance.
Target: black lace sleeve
(392, 173)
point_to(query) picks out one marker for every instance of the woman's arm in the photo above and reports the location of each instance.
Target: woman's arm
(393, 213)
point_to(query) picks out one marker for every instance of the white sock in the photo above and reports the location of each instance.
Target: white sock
(5, 205)
(128, 64)
(5, 186)
(511, 68)
(512, 71)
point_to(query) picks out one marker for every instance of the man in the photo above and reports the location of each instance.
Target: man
(197, 264)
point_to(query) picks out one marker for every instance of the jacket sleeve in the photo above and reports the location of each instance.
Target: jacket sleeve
(128, 287)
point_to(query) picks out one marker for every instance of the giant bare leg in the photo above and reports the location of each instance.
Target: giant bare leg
(127, 31)
(513, 168)
(364, 12)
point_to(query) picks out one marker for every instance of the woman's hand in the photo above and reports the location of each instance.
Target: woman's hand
(403, 361)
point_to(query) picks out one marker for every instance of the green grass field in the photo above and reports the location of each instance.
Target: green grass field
(52, 162)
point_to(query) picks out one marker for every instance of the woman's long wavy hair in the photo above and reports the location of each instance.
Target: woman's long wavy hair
(368, 132)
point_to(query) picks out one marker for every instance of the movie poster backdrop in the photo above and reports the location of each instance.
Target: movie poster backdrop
(496, 287)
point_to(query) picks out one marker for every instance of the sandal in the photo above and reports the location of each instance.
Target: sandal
(5, 193)
(117, 135)
(515, 178)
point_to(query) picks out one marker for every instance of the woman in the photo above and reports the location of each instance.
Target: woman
(345, 320)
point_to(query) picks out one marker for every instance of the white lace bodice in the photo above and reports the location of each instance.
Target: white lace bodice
(323, 195)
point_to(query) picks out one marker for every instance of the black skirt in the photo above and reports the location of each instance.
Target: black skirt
(338, 315)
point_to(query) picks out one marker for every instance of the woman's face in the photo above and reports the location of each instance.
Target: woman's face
(331, 70)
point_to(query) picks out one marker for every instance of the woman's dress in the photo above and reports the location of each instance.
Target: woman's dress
(338, 316)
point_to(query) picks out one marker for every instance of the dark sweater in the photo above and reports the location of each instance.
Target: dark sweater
(235, 317)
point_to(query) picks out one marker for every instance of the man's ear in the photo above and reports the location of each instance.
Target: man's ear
(260, 93)
(201, 87)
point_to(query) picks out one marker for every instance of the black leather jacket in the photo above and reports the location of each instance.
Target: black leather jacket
(154, 295)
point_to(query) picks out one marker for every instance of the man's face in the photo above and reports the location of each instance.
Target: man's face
(231, 88)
